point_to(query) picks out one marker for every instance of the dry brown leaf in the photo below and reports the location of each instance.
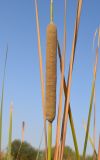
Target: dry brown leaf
(70, 78)
(41, 75)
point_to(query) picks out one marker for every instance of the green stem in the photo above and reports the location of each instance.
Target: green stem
(74, 134)
(49, 140)
(51, 11)
(89, 119)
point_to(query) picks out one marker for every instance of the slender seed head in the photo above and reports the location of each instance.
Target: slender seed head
(51, 66)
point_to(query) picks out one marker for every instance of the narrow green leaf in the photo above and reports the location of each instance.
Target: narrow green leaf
(90, 139)
(90, 108)
(2, 99)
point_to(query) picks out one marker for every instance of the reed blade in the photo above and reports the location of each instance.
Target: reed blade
(69, 111)
(41, 74)
(2, 98)
(90, 139)
(56, 155)
(65, 117)
(10, 134)
(91, 104)
(94, 124)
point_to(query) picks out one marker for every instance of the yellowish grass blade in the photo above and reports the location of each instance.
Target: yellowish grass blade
(91, 103)
(94, 130)
(10, 134)
(69, 112)
(41, 74)
(90, 139)
(2, 98)
(70, 78)
(61, 91)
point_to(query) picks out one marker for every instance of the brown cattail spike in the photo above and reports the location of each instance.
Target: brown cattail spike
(23, 130)
(51, 66)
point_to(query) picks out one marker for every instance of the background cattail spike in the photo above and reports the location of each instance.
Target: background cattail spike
(23, 131)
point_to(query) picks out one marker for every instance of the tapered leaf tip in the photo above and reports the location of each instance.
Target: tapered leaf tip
(11, 106)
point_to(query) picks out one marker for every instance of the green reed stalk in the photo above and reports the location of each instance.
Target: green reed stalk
(2, 99)
(10, 135)
(91, 104)
(58, 130)
(90, 139)
(65, 116)
(49, 140)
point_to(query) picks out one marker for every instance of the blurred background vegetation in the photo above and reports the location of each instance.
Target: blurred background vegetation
(27, 152)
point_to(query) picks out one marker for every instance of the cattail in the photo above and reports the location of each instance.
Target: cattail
(51, 66)
(51, 69)
(23, 130)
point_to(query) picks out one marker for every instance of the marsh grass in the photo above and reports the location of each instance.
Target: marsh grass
(10, 134)
(61, 132)
(69, 111)
(2, 98)
(41, 75)
(90, 139)
(91, 104)
(65, 116)
(66, 87)
(58, 132)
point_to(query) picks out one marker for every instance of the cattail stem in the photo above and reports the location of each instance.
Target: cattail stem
(49, 140)
(51, 11)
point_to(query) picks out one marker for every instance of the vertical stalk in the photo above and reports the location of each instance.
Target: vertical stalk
(41, 76)
(94, 129)
(23, 131)
(49, 140)
(91, 103)
(50, 123)
(51, 11)
(10, 133)
(2, 98)
(69, 111)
